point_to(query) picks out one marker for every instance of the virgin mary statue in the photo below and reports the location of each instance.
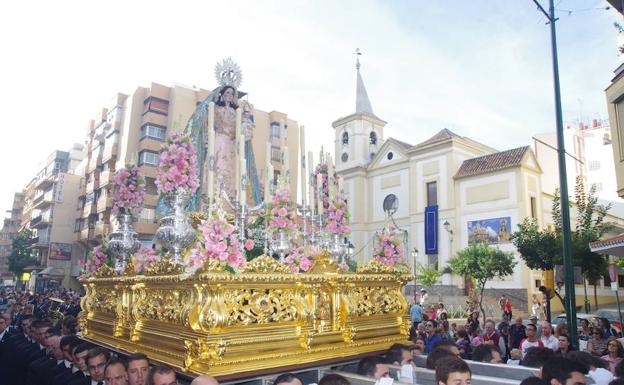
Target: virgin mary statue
(226, 102)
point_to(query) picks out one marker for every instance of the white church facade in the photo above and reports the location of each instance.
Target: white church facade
(444, 191)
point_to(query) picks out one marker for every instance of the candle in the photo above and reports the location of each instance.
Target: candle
(243, 181)
(286, 166)
(240, 150)
(310, 175)
(331, 180)
(267, 155)
(211, 151)
(269, 183)
(319, 183)
(303, 165)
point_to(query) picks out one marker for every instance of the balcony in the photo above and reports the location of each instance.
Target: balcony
(103, 203)
(89, 208)
(110, 152)
(148, 171)
(100, 230)
(45, 182)
(40, 221)
(43, 200)
(93, 183)
(106, 177)
(40, 242)
(150, 144)
(85, 234)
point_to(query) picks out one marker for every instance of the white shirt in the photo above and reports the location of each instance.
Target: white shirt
(550, 342)
(526, 344)
(601, 376)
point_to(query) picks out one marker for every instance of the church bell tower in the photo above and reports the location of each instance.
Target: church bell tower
(359, 135)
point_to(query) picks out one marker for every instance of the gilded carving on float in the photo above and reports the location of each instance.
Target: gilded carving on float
(222, 323)
(104, 271)
(265, 265)
(206, 303)
(164, 267)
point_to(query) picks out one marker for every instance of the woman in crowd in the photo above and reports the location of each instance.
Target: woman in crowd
(597, 346)
(584, 332)
(605, 326)
(614, 354)
(562, 328)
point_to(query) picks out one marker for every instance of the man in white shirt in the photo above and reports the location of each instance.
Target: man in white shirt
(547, 338)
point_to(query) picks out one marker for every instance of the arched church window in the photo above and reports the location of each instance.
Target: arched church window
(373, 138)
(345, 138)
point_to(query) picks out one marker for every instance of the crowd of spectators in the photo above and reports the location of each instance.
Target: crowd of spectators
(515, 342)
(37, 349)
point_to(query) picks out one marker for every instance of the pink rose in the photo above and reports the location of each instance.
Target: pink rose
(249, 244)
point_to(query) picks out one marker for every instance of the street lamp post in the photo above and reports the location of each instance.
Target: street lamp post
(563, 182)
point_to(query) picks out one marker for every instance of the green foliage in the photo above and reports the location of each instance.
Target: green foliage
(540, 249)
(426, 276)
(21, 256)
(481, 262)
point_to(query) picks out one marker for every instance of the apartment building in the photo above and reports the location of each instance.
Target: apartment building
(10, 227)
(49, 211)
(130, 129)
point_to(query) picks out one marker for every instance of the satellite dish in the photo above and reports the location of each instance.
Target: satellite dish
(390, 204)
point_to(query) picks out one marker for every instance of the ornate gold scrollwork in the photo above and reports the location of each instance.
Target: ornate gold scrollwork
(165, 305)
(324, 263)
(264, 265)
(165, 266)
(104, 271)
(105, 300)
(374, 267)
(369, 300)
(260, 306)
(211, 266)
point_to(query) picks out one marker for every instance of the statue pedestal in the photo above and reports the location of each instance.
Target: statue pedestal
(222, 324)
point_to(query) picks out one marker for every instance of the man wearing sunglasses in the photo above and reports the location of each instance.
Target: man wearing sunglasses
(432, 338)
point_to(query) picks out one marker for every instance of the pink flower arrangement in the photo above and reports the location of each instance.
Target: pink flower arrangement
(218, 240)
(143, 259)
(388, 247)
(100, 255)
(299, 260)
(177, 165)
(338, 217)
(128, 191)
(281, 214)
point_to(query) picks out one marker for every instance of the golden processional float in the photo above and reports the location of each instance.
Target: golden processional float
(239, 289)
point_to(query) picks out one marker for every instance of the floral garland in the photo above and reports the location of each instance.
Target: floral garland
(128, 191)
(338, 217)
(99, 255)
(218, 240)
(280, 214)
(388, 248)
(143, 259)
(299, 260)
(177, 165)
(322, 169)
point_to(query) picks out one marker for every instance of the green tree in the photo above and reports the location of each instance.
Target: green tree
(481, 262)
(542, 249)
(426, 276)
(21, 256)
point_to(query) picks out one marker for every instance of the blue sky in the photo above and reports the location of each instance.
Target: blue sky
(480, 68)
